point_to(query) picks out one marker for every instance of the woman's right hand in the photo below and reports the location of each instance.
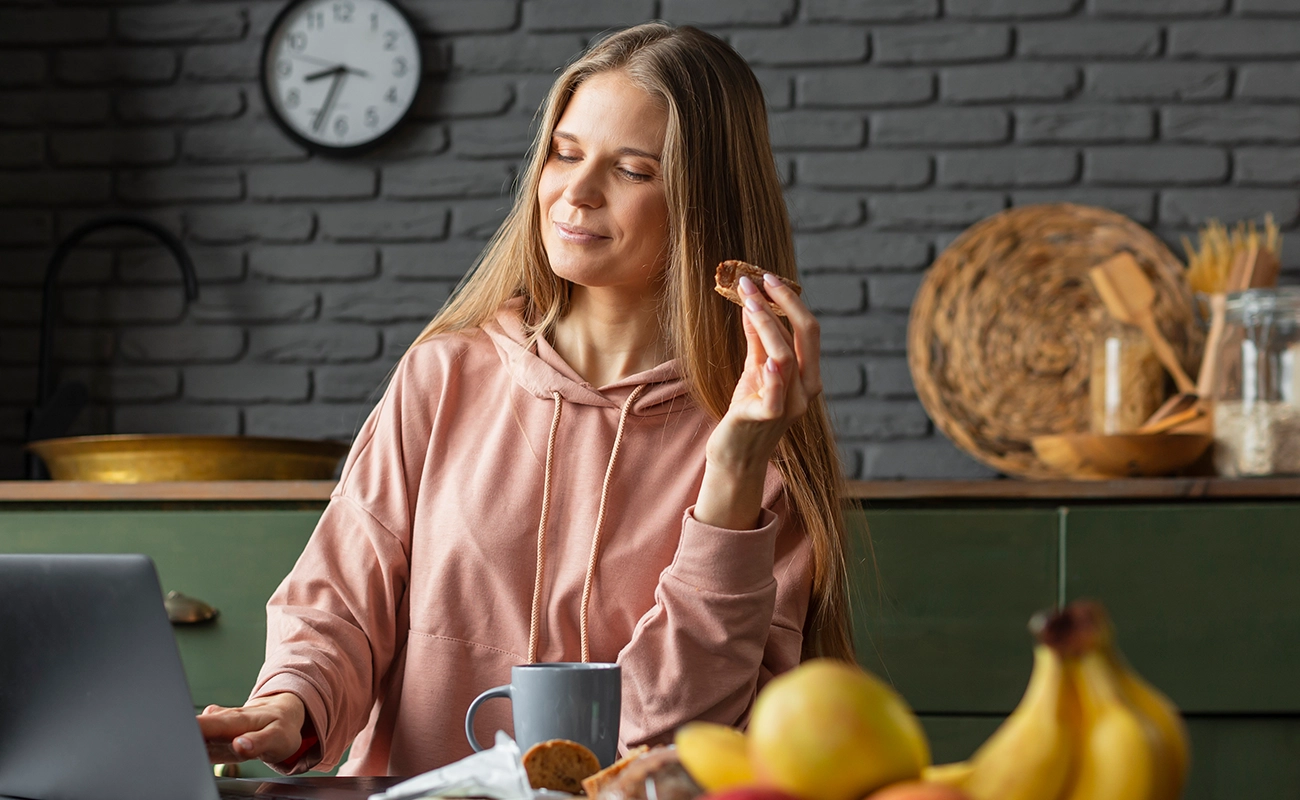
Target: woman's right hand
(269, 728)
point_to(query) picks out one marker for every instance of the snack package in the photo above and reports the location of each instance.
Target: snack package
(497, 772)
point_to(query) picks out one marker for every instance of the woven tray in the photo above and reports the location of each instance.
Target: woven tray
(1000, 334)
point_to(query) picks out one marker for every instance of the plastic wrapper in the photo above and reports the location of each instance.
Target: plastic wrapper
(497, 772)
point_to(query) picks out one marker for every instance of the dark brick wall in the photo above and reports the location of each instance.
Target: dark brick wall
(897, 123)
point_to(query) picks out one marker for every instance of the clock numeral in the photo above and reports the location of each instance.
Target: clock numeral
(315, 20)
(391, 94)
(284, 68)
(292, 99)
(341, 126)
(372, 117)
(374, 22)
(399, 66)
(390, 40)
(343, 11)
(298, 41)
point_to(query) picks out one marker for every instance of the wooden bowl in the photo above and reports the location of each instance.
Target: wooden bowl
(145, 458)
(1091, 456)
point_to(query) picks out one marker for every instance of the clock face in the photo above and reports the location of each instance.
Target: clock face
(340, 74)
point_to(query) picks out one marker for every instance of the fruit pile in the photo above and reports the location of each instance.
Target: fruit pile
(1087, 728)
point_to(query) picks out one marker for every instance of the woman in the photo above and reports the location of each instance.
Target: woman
(586, 455)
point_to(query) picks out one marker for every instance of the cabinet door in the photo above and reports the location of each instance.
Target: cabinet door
(942, 608)
(1205, 599)
(231, 559)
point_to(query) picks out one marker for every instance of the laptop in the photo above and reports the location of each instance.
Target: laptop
(93, 699)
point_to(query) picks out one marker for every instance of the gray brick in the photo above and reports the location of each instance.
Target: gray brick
(339, 421)
(1084, 124)
(834, 294)
(1269, 81)
(1266, 7)
(168, 218)
(1139, 205)
(47, 109)
(240, 142)
(247, 383)
(1239, 123)
(584, 15)
(496, 138)
(777, 86)
(223, 62)
(819, 211)
(1006, 167)
(871, 169)
(180, 184)
(861, 249)
(842, 377)
(1189, 207)
(321, 180)
(397, 338)
(873, 333)
(48, 26)
(864, 86)
(54, 188)
(115, 66)
(932, 208)
(363, 382)
(443, 17)
(181, 345)
(25, 227)
(1003, 82)
(22, 68)
(255, 302)
(118, 305)
(941, 42)
(1016, 9)
(719, 13)
(515, 52)
(26, 267)
(1163, 165)
(20, 306)
(1157, 81)
(388, 302)
(319, 343)
(471, 96)
(940, 126)
(314, 263)
(1267, 166)
(1235, 37)
(889, 377)
(893, 292)
(119, 384)
(191, 420)
(181, 23)
(446, 260)
(383, 222)
(81, 345)
(1156, 8)
(115, 146)
(181, 104)
(933, 458)
(22, 149)
(816, 129)
(812, 44)
(448, 178)
(414, 141)
(157, 265)
(250, 223)
(874, 11)
(478, 219)
(879, 419)
(1087, 39)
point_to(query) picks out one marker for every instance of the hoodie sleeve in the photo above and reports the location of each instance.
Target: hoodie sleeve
(334, 625)
(728, 616)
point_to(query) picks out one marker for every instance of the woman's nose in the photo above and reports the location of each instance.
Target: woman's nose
(583, 187)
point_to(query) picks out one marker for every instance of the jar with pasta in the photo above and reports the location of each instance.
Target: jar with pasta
(1126, 383)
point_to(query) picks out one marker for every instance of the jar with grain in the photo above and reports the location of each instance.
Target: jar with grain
(1126, 383)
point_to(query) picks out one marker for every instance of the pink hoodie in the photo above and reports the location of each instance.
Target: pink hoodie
(417, 588)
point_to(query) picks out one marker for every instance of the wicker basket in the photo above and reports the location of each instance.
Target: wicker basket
(1000, 332)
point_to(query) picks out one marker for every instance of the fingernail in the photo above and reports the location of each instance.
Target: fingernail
(241, 744)
(747, 286)
(752, 304)
(770, 279)
(771, 365)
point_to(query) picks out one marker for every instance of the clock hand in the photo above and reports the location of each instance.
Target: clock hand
(313, 60)
(339, 74)
(315, 76)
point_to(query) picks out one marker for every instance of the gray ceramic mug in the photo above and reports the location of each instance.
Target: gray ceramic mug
(578, 702)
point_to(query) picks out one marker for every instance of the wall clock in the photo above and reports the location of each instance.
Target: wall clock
(340, 75)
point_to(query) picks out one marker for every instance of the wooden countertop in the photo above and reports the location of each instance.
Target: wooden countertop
(1154, 489)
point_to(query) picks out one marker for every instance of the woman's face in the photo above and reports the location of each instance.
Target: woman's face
(604, 215)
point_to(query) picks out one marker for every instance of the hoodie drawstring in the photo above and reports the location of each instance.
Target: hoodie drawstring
(535, 625)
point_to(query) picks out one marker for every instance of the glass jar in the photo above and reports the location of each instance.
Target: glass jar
(1126, 383)
(1257, 391)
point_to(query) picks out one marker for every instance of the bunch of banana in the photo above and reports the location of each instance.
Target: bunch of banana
(1087, 728)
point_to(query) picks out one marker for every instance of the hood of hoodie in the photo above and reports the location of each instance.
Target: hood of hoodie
(541, 371)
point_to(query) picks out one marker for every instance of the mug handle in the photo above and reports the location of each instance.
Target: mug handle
(497, 691)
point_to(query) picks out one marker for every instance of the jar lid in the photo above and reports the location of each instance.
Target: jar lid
(1283, 301)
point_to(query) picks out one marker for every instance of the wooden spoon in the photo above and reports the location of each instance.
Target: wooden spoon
(1128, 295)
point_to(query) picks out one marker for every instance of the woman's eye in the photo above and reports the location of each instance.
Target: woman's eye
(565, 157)
(634, 176)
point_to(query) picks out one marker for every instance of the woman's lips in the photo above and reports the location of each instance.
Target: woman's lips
(576, 235)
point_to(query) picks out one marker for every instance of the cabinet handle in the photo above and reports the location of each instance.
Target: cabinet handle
(185, 610)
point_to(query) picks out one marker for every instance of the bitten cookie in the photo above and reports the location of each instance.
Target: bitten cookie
(727, 282)
(559, 764)
(596, 782)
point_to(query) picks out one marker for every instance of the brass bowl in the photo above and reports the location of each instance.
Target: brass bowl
(146, 458)
(1092, 456)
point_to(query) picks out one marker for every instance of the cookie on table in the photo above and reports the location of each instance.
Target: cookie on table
(560, 765)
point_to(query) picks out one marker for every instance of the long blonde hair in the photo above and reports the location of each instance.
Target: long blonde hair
(725, 201)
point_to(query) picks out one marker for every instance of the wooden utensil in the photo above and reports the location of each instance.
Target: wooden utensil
(1090, 456)
(1128, 296)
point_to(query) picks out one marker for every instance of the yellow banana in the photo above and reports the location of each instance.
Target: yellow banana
(955, 774)
(1029, 756)
(1120, 757)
